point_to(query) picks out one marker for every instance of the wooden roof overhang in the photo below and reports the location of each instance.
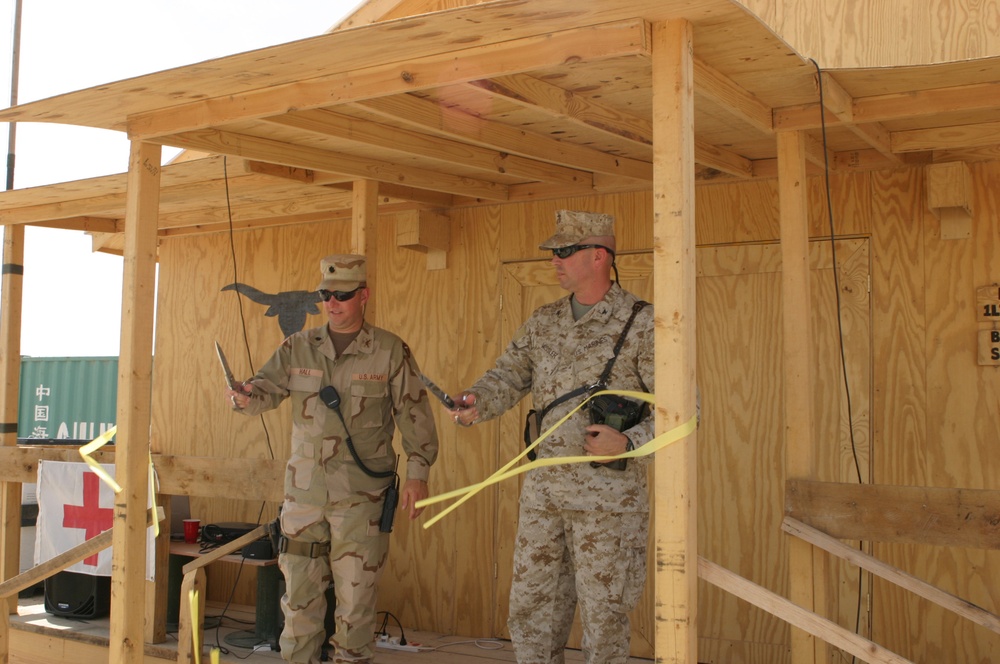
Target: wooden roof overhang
(508, 101)
(502, 101)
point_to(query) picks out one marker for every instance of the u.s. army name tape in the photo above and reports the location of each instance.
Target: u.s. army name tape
(661, 441)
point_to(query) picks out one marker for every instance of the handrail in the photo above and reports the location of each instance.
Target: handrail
(60, 562)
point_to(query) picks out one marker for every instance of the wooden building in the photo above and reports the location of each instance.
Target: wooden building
(807, 192)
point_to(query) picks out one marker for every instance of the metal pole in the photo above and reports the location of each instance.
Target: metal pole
(15, 62)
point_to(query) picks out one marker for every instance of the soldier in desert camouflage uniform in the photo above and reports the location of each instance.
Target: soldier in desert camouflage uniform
(582, 530)
(331, 512)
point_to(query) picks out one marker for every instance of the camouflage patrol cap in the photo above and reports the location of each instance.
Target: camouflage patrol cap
(342, 272)
(573, 226)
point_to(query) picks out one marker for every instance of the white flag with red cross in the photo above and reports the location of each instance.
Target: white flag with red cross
(75, 505)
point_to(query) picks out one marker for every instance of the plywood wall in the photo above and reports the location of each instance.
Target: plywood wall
(924, 412)
(882, 33)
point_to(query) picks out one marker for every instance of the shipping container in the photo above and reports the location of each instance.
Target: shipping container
(66, 398)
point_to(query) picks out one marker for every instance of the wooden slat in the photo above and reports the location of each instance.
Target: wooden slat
(591, 43)
(306, 156)
(739, 101)
(58, 563)
(956, 605)
(908, 514)
(367, 133)
(804, 620)
(675, 467)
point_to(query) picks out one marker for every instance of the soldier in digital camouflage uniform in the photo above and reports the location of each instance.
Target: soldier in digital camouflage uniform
(582, 530)
(331, 512)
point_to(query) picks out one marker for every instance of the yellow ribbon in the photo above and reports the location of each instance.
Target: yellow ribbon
(213, 655)
(661, 441)
(93, 446)
(98, 443)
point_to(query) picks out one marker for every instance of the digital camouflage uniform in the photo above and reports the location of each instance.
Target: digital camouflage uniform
(576, 517)
(327, 496)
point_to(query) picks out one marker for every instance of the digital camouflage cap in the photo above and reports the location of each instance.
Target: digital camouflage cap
(342, 272)
(573, 226)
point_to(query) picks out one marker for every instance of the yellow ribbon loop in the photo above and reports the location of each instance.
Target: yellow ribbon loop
(661, 441)
(93, 446)
(98, 443)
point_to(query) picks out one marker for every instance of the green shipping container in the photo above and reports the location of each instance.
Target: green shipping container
(67, 398)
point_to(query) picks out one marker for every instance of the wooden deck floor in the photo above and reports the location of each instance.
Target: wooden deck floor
(40, 638)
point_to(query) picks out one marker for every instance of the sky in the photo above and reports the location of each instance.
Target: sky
(72, 295)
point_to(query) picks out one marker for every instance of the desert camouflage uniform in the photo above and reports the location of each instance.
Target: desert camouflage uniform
(327, 496)
(582, 531)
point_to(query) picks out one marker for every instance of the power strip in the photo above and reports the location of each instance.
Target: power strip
(388, 645)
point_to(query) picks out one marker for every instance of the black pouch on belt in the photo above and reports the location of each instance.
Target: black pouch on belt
(618, 413)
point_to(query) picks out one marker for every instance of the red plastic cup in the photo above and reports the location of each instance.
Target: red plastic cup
(191, 528)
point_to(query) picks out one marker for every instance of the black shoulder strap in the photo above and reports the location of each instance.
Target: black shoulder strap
(602, 382)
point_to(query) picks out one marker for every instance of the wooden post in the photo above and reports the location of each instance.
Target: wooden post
(10, 365)
(675, 511)
(797, 367)
(363, 230)
(157, 589)
(135, 363)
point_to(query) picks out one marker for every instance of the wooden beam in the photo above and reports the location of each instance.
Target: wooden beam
(675, 467)
(935, 516)
(840, 102)
(897, 106)
(797, 365)
(591, 43)
(10, 367)
(186, 629)
(531, 92)
(742, 103)
(133, 413)
(800, 618)
(364, 236)
(946, 138)
(304, 156)
(956, 605)
(447, 151)
(86, 224)
(456, 123)
(566, 105)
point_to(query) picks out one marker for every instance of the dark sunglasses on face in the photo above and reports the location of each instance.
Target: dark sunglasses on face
(566, 252)
(338, 295)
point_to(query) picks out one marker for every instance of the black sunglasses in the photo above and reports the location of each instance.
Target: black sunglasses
(338, 295)
(566, 252)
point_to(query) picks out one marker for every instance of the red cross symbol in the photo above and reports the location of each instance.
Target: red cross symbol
(90, 516)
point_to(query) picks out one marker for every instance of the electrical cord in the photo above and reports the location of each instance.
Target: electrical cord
(840, 323)
(263, 423)
(482, 644)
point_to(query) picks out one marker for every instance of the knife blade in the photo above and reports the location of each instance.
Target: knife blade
(438, 392)
(230, 380)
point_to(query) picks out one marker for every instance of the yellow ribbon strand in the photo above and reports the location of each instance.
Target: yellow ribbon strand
(93, 446)
(98, 443)
(196, 647)
(661, 441)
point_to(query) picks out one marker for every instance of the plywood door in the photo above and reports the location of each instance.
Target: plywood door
(741, 451)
